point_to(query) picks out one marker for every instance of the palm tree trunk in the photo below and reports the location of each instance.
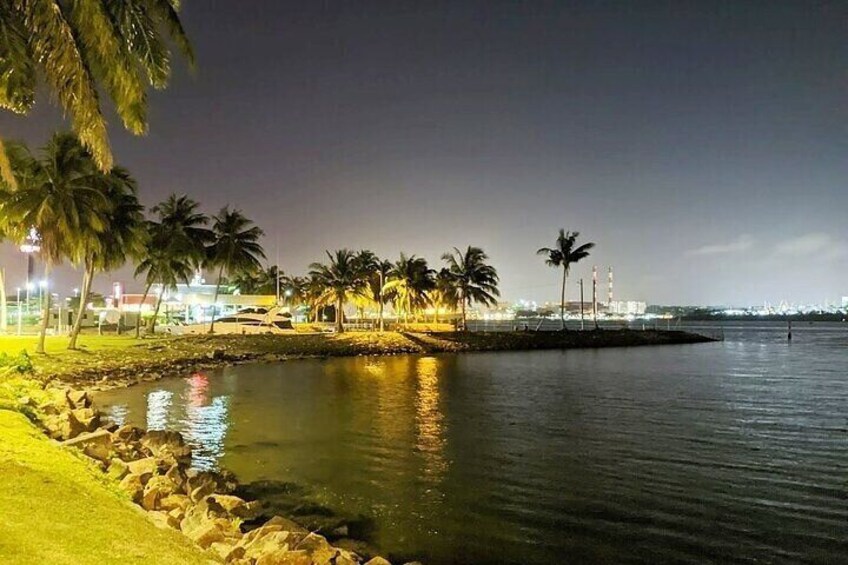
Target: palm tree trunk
(87, 277)
(45, 315)
(339, 315)
(464, 322)
(562, 300)
(140, 306)
(381, 313)
(152, 328)
(215, 299)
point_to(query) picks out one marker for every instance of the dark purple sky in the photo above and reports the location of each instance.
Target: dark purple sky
(702, 145)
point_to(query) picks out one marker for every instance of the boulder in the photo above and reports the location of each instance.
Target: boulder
(132, 485)
(162, 443)
(177, 476)
(64, 426)
(266, 544)
(157, 488)
(87, 417)
(78, 399)
(378, 561)
(284, 557)
(164, 520)
(128, 434)
(200, 485)
(286, 525)
(142, 466)
(235, 506)
(206, 534)
(174, 501)
(226, 551)
(319, 549)
(117, 469)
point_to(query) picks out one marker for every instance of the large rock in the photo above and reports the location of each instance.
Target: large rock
(284, 557)
(128, 434)
(132, 485)
(378, 561)
(142, 466)
(87, 417)
(157, 488)
(268, 543)
(117, 469)
(164, 444)
(206, 534)
(174, 501)
(235, 506)
(78, 399)
(164, 520)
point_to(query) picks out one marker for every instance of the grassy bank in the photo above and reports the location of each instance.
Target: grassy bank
(116, 360)
(56, 508)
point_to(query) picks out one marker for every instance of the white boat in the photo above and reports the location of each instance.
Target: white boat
(246, 321)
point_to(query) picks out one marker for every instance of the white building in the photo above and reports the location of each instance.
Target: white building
(627, 307)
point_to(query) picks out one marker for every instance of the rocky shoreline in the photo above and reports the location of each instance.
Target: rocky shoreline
(154, 469)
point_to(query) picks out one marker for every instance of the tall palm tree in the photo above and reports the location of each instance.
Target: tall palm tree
(260, 281)
(445, 293)
(565, 253)
(410, 281)
(82, 48)
(339, 281)
(176, 247)
(295, 289)
(124, 237)
(474, 279)
(58, 195)
(235, 248)
(366, 263)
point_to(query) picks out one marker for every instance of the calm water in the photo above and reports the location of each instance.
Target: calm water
(727, 452)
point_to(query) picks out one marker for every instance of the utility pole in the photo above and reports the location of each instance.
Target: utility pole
(581, 305)
(595, 295)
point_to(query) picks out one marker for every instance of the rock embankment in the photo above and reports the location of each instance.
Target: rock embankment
(154, 469)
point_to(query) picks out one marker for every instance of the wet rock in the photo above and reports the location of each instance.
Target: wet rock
(236, 506)
(165, 444)
(128, 434)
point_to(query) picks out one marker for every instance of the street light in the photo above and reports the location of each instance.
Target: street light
(18, 292)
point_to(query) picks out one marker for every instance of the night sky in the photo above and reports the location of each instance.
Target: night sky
(701, 145)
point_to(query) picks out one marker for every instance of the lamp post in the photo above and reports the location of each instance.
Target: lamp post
(28, 248)
(18, 302)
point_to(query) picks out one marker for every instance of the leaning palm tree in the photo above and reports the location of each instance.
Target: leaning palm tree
(82, 48)
(124, 237)
(58, 195)
(410, 280)
(338, 282)
(474, 279)
(564, 254)
(235, 248)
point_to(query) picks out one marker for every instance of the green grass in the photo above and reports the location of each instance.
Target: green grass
(56, 508)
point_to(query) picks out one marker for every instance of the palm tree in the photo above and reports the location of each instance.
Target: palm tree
(338, 282)
(474, 279)
(123, 238)
(58, 195)
(82, 48)
(410, 281)
(445, 294)
(235, 248)
(367, 264)
(296, 290)
(176, 247)
(564, 254)
(260, 281)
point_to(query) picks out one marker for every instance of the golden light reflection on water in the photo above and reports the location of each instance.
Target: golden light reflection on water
(429, 419)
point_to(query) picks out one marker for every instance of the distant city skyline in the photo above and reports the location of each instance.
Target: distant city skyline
(702, 149)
